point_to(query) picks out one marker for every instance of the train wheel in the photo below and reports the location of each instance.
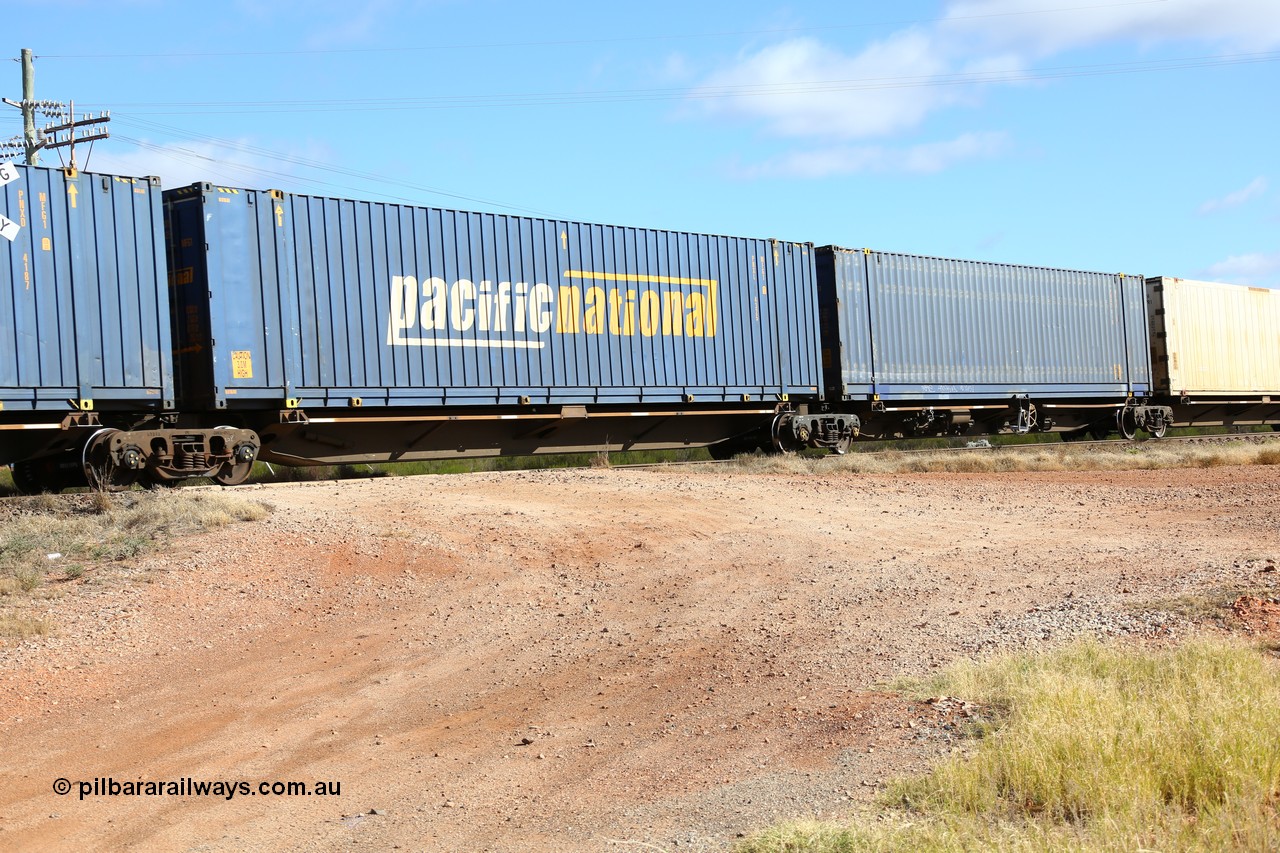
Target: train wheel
(237, 469)
(1159, 431)
(1127, 423)
(1099, 432)
(775, 432)
(100, 468)
(234, 473)
(25, 478)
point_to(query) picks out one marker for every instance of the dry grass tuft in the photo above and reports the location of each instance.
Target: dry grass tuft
(22, 627)
(1092, 747)
(53, 537)
(1062, 457)
(101, 502)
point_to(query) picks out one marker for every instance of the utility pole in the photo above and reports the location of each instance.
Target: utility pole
(53, 135)
(30, 142)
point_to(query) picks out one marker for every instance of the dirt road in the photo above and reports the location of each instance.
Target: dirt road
(583, 660)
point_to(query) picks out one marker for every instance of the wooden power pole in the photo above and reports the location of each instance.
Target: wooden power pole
(30, 141)
(64, 134)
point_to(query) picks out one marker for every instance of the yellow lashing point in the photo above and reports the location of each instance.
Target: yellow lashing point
(291, 402)
(85, 405)
(356, 402)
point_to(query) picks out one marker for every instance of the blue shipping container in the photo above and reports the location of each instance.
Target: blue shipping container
(84, 308)
(323, 302)
(935, 329)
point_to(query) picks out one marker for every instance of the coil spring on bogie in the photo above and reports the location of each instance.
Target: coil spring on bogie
(189, 458)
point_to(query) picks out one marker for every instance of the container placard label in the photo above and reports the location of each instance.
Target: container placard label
(241, 364)
(8, 173)
(8, 228)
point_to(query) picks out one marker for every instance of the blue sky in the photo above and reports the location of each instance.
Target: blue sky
(1140, 136)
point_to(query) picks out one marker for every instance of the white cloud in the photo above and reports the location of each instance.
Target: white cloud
(1256, 187)
(936, 156)
(923, 159)
(349, 24)
(801, 87)
(1004, 24)
(1254, 268)
(324, 24)
(805, 88)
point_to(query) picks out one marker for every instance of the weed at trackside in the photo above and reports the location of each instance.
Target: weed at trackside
(1094, 747)
(1048, 457)
(51, 539)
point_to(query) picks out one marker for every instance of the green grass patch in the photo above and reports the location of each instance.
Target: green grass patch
(1091, 747)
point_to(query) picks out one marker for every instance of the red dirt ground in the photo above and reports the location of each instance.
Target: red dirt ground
(576, 660)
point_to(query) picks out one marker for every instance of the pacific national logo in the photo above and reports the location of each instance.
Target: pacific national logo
(506, 315)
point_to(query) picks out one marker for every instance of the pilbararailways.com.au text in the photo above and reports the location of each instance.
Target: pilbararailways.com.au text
(188, 787)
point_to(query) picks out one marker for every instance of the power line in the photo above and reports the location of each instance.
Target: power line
(694, 93)
(188, 155)
(615, 40)
(544, 99)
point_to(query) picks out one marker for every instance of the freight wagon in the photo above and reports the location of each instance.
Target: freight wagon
(916, 345)
(1215, 351)
(308, 330)
(86, 350)
(345, 331)
(148, 336)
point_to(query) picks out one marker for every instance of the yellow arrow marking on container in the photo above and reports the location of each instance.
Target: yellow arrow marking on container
(73, 191)
(279, 216)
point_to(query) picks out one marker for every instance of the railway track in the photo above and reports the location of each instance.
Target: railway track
(1226, 438)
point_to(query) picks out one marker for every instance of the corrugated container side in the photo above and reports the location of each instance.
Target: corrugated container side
(84, 308)
(1137, 334)
(1211, 338)
(324, 300)
(944, 329)
(211, 239)
(846, 323)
